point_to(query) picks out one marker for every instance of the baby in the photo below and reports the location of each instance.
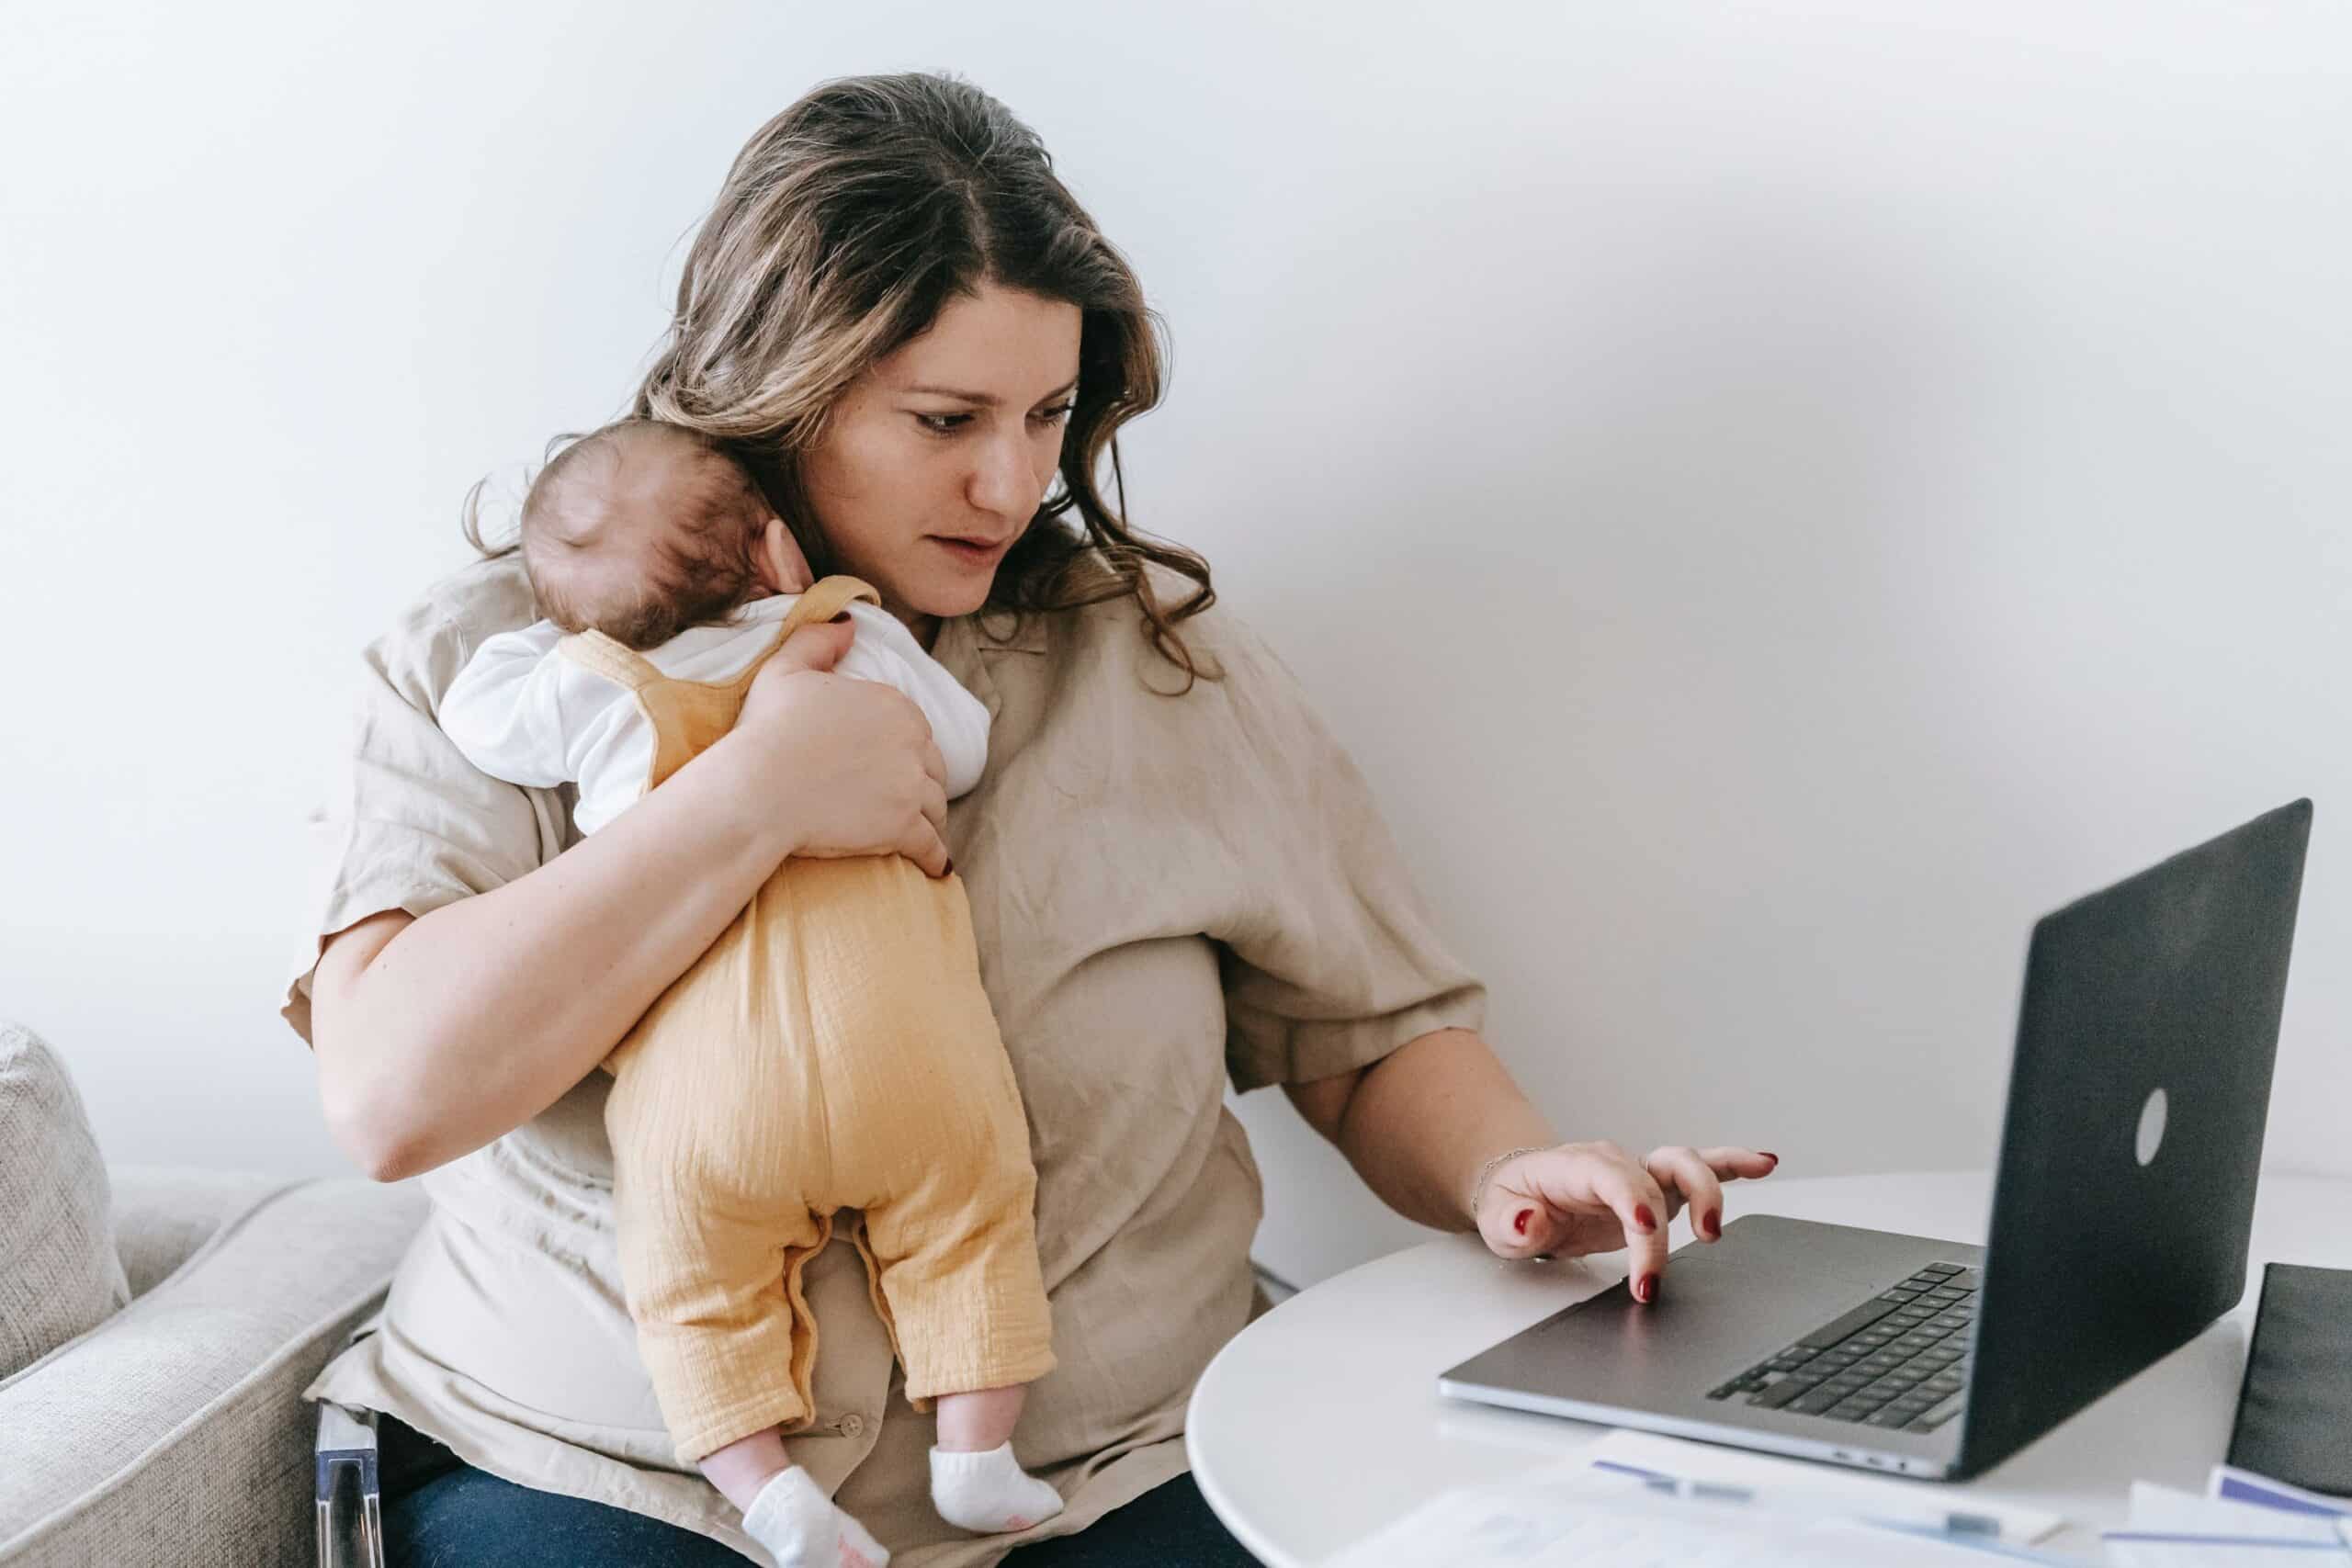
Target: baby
(833, 1050)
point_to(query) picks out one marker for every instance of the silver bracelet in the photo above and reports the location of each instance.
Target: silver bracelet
(1479, 1189)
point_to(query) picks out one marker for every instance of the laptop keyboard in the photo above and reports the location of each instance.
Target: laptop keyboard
(1899, 1359)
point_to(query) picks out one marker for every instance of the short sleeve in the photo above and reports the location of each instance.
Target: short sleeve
(885, 651)
(1331, 958)
(504, 711)
(410, 823)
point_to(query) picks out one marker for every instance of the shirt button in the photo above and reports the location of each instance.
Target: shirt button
(853, 1425)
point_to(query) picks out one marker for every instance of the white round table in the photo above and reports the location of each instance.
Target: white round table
(1321, 1421)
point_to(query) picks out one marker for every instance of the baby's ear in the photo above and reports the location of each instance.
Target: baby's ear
(782, 565)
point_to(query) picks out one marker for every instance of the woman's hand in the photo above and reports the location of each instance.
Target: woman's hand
(852, 761)
(1580, 1197)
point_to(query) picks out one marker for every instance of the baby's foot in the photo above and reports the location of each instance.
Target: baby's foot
(802, 1529)
(988, 1493)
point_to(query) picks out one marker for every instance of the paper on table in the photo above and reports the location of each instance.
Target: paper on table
(1826, 1488)
(1566, 1516)
(2236, 1485)
(2171, 1529)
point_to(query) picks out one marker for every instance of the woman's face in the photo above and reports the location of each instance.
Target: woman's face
(936, 460)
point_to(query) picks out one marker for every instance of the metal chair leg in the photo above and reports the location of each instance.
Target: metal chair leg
(347, 1443)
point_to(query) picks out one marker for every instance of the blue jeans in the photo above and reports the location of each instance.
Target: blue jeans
(440, 1512)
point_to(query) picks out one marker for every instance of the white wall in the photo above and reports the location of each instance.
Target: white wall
(1776, 496)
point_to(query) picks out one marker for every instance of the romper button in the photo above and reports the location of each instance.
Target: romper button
(853, 1425)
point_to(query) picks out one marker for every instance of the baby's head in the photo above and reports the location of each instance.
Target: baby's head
(643, 528)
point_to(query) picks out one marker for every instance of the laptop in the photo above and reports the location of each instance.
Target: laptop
(2121, 1214)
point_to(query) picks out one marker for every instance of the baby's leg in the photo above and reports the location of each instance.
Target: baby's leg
(959, 1273)
(713, 1240)
(784, 1511)
(742, 1467)
(976, 1484)
(946, 1187)
(983, 1419)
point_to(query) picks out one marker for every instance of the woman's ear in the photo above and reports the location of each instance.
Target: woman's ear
(782, 566)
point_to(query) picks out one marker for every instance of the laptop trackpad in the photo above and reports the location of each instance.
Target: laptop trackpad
(1720, 1309)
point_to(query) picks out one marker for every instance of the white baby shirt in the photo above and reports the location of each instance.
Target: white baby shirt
(522, 712)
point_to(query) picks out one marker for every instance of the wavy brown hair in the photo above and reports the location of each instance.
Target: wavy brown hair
(847, 223)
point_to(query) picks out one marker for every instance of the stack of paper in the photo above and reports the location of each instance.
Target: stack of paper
(2243, 1521)
(1646, 1502)
(1703, 1469)
(1567, 1519)
(1638, 1501)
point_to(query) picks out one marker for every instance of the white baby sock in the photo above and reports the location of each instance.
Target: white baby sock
(988, 1493)
(801, 1529)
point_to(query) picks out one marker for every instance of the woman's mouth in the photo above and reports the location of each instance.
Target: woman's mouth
(971, 552)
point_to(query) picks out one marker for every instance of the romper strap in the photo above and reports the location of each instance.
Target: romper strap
(820, 604)
(609, 656)
(606, 656)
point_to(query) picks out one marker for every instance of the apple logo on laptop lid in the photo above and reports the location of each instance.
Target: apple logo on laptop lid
(2152, 1126)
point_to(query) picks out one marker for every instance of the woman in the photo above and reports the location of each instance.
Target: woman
(898, 314)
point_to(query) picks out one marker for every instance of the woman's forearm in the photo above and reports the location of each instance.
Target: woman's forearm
(1424, 1118)
(473, 1018)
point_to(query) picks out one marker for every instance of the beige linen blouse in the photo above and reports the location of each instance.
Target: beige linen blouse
(1167, 892)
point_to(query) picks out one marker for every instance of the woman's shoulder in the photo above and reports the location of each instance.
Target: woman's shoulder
(435, 633)
(476, 600)
(1105, 657)
(1114, 636)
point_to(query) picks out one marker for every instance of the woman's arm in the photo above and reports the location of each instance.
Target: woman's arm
(435, 1035)
(1328, 952)
(1420, 1124)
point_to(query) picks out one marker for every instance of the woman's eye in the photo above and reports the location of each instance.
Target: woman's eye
(949, 424)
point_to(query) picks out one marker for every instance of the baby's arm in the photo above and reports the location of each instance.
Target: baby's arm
(885, 650)
(503, 710)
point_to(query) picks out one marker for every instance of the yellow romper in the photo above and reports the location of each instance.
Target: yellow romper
(833, 1049)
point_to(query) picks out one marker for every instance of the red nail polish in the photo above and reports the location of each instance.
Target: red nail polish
(1712, 1222)
(1644, 1218)
(1519, 1221)
(1645, 1287)
(950, 871)
(1769, 1154)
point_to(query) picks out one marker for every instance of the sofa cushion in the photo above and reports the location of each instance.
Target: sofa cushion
(164, 1213)
(60, 1274)
(177, 1433)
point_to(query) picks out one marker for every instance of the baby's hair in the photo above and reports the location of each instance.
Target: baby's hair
(700, 568)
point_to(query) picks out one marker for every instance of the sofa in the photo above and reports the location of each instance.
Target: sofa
(157, 1328)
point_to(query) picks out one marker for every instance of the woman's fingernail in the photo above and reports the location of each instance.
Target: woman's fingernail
(1519, 1221)
(1712, 1222)
(1645, 1287)
(1769, 1154)
(1644, 1218)
(950, 871)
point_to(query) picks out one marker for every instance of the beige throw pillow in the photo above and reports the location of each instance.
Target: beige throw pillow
(59, 1271)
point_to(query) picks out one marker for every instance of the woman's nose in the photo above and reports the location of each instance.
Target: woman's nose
(1002, 481)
